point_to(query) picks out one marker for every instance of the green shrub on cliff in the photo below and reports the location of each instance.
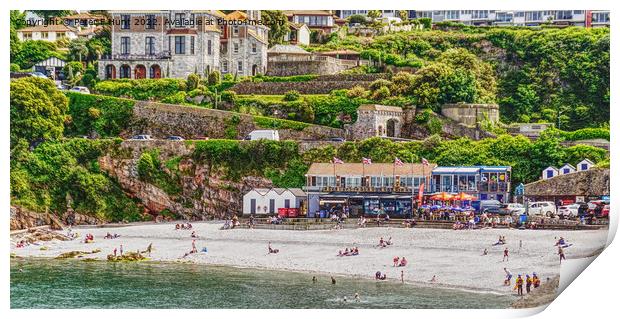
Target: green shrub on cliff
(235, 159)
(106, 116)
(37, 110)
(42, 179)
(151, 170)
(143, 89)
(274, 123)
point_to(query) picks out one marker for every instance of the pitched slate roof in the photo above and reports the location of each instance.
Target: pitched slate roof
(375, 169)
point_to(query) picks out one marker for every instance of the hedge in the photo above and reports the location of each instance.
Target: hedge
(107, 116)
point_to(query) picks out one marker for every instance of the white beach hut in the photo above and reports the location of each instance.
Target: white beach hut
(567, 169)
(584, 165)
(550, 172)
(263, 201)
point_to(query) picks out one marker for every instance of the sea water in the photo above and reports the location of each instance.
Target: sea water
(47, 283)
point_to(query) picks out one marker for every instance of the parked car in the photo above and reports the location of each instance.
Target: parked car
(337, 139)
(39, 75)
(512, 209)
(80, 89)
(263, 135)
(568, 211)
(542, 209)
(141, 137)
(175, 138)
(489, 206)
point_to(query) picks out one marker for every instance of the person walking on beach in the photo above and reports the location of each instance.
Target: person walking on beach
(357, 297)
(561, 253)
(149, 249)
(194, 250)
(114, 252)
(402, 276)
(508, 277)
(121, 250)
(519, 285)
(505, 254)
(528, 283)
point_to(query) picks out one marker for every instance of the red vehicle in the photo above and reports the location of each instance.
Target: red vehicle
(605, 211)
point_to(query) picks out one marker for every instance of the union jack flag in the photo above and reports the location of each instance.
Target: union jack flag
(424, 161)
(366, 160)
(336, 160)
(398, 162)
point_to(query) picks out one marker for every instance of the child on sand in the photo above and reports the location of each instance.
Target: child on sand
(505, 258)
(271, 250)
(508, 277)
(403, 262)
(434, 279)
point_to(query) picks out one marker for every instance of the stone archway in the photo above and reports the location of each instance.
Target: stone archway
(392, 128)
(110, 71)
(125, 71)
(139, 72)
(154, 72)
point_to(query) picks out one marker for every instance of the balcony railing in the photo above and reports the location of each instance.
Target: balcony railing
(164, 55)
(362, 189)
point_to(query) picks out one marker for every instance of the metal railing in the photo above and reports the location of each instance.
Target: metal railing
(137, 57)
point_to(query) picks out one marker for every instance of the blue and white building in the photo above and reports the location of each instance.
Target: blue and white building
(484, 182)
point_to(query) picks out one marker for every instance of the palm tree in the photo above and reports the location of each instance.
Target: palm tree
(96, 50)
(78, 48)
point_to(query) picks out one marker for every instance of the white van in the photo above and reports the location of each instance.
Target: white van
(263, 135)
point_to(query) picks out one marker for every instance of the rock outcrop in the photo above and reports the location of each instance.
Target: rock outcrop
(204, 195)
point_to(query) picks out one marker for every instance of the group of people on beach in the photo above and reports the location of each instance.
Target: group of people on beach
(399, 262)
(183, 226)
(527, 281)
(110, 236)
(352, 252)
(384, 243)
(561, 244)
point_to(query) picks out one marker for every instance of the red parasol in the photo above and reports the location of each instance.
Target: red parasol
(464, 196)
(442, 196)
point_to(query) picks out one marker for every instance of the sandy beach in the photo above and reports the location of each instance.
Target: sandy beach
(454, 257)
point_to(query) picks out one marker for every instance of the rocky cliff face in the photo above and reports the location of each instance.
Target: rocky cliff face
(204, 195)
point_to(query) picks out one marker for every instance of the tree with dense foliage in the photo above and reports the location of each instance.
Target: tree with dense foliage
(33, 51)
(278, 25)
(37, 110)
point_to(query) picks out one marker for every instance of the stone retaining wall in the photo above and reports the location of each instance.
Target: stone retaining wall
(160, 120)
(470, 114)
(308, 87)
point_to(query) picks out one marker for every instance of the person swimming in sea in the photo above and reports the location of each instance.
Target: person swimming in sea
(333, 280)
(314, 280)
(357, 297)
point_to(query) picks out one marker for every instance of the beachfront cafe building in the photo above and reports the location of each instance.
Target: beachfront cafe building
(483, 182)
(364, 189)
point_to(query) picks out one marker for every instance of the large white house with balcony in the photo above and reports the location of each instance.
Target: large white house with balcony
(174, 44)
